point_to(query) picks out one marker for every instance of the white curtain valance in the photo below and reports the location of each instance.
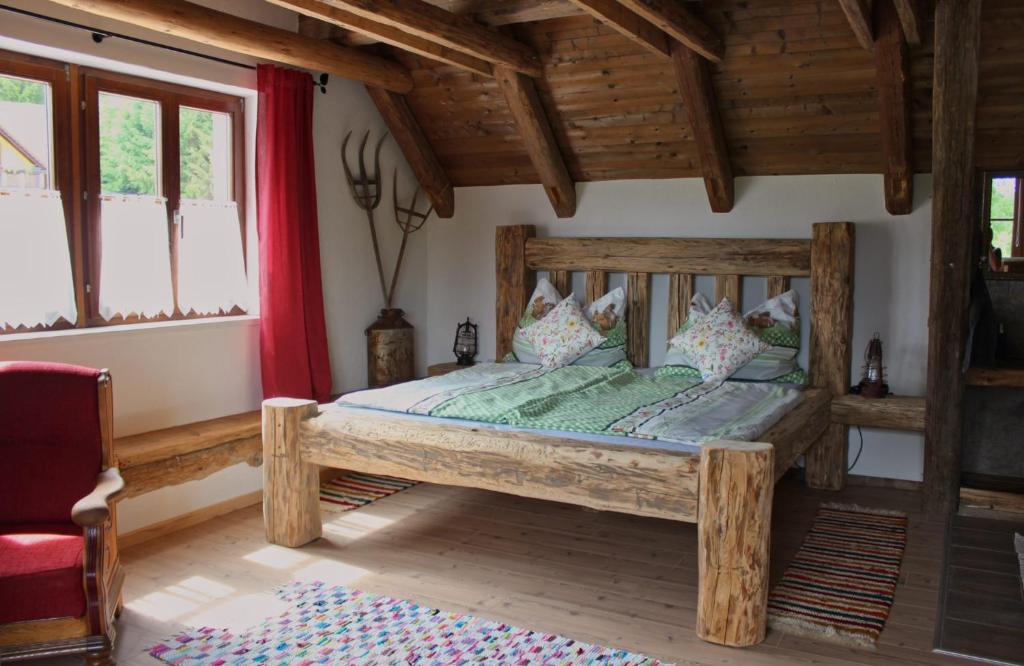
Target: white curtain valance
(211, 265)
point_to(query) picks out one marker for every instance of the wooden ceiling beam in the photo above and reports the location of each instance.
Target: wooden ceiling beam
(225, 31)
(628, 23)
(385, 33)
(892, 62)
(679, 24)
(858, 13)
(698, 93)
(461, 33)
(417, 150)
(524, 103)
(910, 18)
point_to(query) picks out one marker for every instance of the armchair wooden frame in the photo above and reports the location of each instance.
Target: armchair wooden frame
(93, 633)
(726, 488)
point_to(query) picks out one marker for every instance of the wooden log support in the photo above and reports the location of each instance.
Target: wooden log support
(733, 541)
(728, 286)
(680, 293)
(698, 93)
(832, 246)
(954, 96)
(381, 32)
(561, 281)
(514, 282)
(426, 21)
(226, 31)
(291, 486)
(910, 13)
(682, 26)
(858, 13)
(777, 285)
(631, 25)
(597, 285)
(892, 63)
(535, 129)
(899, 412)
(638, 318)
(416, 149)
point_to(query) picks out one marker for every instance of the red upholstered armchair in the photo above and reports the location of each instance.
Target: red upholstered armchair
(60, 580)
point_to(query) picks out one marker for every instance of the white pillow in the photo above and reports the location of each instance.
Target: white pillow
(720, 343)
(563, 335)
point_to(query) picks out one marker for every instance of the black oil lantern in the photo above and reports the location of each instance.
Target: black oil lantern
(872, 384)
(465, 343)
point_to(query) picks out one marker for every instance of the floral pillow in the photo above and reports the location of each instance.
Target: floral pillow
(563, 335)
(720, 343)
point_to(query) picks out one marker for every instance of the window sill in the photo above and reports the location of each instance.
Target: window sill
(135, 329)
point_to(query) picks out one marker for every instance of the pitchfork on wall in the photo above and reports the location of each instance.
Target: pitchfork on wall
(367, 192)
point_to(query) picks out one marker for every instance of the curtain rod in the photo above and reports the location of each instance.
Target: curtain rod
(99, 35)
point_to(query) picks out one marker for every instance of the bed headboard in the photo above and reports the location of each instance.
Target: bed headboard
(827, 258)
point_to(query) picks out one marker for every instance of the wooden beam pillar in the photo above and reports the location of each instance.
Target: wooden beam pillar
(226, 31)
(733, 541)
(698, 95)
(514, 282)
(682, 26)
(832, 246)
(524, 103)
(954, 96)
(631, 25)
(417, 150)
(910, 13)
(858, 13)
(892, 62)
(291, 487)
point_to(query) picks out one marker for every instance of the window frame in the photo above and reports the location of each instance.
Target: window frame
(170, 97)
(74, 93)
(1017, 234)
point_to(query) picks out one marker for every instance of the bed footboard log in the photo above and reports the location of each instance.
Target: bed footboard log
(514, 281)
(733, 539)
(291, 486)
(832, 247)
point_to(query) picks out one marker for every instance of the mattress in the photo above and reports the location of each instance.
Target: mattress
(614, 405)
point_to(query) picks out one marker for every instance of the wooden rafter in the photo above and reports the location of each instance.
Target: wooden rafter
(386, 33)
(208, 26)
(698, 95)
(892, 62)
(910, 18)
(628, 23)
(524, 103)
(858, 13)
(954, 98)
(679, 24)
(417, 150)
(461, 33)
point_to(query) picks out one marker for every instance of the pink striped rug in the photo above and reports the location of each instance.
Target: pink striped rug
(353, 490)
(841, 583)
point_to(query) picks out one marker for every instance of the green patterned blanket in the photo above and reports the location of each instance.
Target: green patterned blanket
(587, 399)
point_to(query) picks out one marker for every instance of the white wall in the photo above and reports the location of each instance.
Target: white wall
(891, 288)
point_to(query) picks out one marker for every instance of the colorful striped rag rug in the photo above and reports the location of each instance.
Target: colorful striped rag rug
(841, 583)
(336, 625)
(353, 490)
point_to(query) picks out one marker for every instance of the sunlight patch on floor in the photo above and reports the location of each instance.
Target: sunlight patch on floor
(240, 613)
(331, 572)
(163, 605)
(276, 557)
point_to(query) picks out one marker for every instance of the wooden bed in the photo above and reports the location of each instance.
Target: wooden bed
(726, 489)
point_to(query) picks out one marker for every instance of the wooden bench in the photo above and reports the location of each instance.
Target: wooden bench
(171, 456)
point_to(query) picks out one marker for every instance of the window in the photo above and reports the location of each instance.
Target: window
(1003, 212)
(142, 220)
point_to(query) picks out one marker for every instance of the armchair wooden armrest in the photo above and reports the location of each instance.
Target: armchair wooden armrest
(94, 509)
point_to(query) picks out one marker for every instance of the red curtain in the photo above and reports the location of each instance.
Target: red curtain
(293, 335)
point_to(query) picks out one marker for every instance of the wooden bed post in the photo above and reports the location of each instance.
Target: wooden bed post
(832, 246)
(515, 282)
(733, 541)
(291, 486)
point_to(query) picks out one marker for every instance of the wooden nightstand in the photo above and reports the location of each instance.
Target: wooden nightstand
(439, 369)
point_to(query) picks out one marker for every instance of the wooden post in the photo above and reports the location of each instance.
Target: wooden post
(832, 247)
(515, 282)
(892, 63)
(954, 93)
(291, 487)
(734, 516)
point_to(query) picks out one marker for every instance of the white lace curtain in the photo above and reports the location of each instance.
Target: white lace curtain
(135, 260)
(211, 266)
(36, 286)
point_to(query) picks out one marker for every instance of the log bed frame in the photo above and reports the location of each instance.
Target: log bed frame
(726, 489)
